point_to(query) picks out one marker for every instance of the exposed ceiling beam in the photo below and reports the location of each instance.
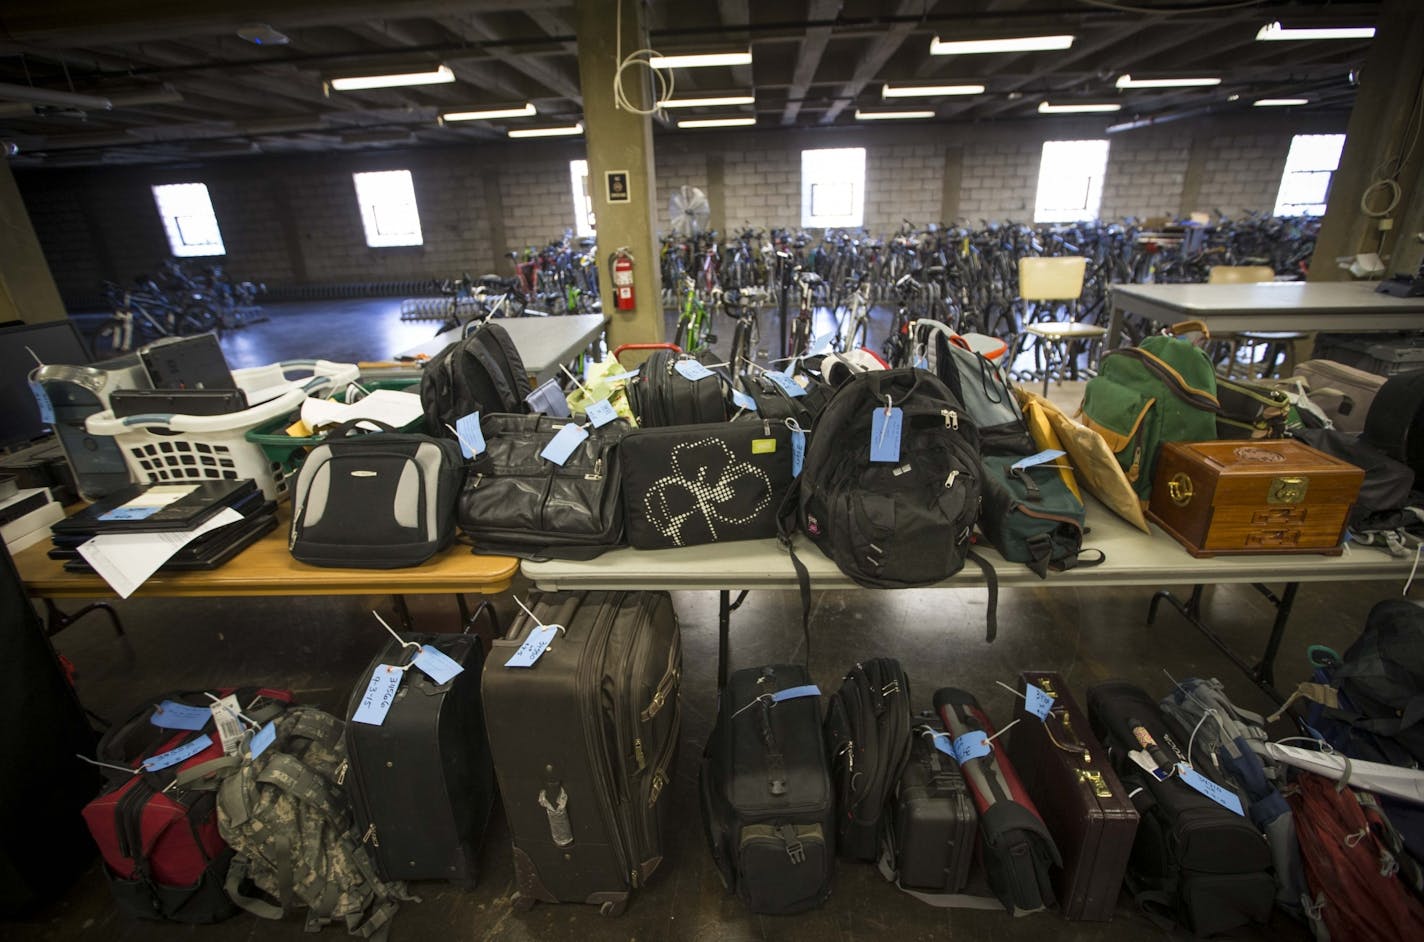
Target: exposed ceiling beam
(733, 12)
(474, 29)
(879, 53)
(808, 57)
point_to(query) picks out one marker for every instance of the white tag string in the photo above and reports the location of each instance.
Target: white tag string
(240, 715)
(989, 739)
(570, 375)
(403, 643)
(108, 765)
(463, 440)
(740, 410)
(795, 426)
(530, 614)
(1413, 569)
(884, 426)
(40, 362)
(1012, 691)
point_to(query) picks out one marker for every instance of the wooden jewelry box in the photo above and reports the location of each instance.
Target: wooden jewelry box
(1244, 496)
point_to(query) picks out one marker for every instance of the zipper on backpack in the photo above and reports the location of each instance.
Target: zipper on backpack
(341, 771)
(370, 837)
(951, 418)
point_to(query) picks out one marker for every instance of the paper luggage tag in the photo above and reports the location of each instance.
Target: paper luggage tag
(263, 738)
(437, 665)
(820, 347)
(787, 384)
(380, 694)
(533, 647)
(172, 715)
(174, 756)
(472, 438)
(230, 729)
(615, 377)
(972, 745)
(601, 413)
(42, 401)
(794, 693)
(742, 401)
(885, 434)
(691, 370)
(563, 444)
(1222, 796)
(1040, 458)
(798, 451)
(1037, 701)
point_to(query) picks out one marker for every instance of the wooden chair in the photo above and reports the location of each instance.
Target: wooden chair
(1057, 279)
(1276, 344)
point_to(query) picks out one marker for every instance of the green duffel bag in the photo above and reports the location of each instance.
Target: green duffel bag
(1161, 391)
(1030, 516)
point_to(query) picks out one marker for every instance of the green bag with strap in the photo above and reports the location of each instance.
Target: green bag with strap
(1161, 391)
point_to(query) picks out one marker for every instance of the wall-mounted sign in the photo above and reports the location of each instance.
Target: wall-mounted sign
(617, 186)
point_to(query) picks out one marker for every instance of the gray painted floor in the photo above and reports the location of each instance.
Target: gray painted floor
(317, 646)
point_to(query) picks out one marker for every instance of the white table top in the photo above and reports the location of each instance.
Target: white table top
(1133, 559)
(1269, 296)
(543, 342)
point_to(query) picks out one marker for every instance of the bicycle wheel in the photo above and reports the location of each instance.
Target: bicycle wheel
(798, 337)
(679, 336)
(744, 340)
(113, 338)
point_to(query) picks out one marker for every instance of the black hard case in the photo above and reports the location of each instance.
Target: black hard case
(421, 783)
(767, 801)
(592, 728)
(934, 825)
(1066, 771)
(659, 395)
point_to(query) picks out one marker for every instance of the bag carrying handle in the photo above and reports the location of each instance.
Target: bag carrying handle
(345, 429)
(618, 350)
(1187, 327)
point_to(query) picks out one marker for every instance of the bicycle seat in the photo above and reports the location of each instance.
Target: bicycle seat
(809, 278)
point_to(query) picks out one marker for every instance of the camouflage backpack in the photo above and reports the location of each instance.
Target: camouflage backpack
(287, 816)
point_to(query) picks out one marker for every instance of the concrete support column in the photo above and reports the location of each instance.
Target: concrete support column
(621, 141)
(953, 180)
(1192, 179)
(494, 222)
(716, 195)
(27, 289)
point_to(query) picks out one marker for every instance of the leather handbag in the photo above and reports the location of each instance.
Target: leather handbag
(518, 502)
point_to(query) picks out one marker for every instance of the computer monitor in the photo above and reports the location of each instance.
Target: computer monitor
(51, 342)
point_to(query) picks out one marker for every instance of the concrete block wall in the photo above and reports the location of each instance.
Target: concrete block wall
(999, 180)
(675, 169)
(1242, 172)
(903, 181)
(1146, 175)
(762, 187)
(538, 201)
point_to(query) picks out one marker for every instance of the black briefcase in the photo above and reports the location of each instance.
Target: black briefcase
(421, 783)
(691, 484)
(934, 825)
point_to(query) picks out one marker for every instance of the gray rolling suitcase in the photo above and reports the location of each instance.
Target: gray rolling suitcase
(583, 742)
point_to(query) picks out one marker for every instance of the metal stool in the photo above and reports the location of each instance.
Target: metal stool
(1278, 346)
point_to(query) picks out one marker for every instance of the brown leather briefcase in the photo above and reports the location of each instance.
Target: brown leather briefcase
(1066, 771)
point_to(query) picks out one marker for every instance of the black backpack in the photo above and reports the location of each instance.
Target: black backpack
(660, 395)
(1395, 423)
(481, 373)
(868, 741)
(1381, 680)
(899, 524)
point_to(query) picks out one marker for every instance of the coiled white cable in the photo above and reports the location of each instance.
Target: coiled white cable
(641, 57)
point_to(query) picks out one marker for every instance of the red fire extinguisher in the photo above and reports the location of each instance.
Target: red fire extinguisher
(622, 265)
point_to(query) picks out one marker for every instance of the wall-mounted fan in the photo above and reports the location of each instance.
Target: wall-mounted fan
(688, 211)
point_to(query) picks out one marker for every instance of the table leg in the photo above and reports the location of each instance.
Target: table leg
(56, 620)
(725, 608)
(403, 613)
(1114, 327)
(1263, 672)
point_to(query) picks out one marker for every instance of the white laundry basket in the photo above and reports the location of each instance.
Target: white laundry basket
(189, 449)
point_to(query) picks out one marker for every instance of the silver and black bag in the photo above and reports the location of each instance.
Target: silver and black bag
(379, 500)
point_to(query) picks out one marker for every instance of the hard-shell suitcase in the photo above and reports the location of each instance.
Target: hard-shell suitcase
(583, 742)
(1066, 771)
(422, 784)
(934, 825)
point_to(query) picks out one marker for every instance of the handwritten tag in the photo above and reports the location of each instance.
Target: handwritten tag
(1037, 701)
(533, 647)
(472, 437)
(922, 363)
(230, 728)
(742, 401)
(885, 435)
(691, 370)
(174, 756)
(380, 694)
(130, 513)
(601, 413)
(972, 745)
(263, 738)
(1040, 458)
(172, 715)
(798, 451)
(1222, 796)
(563, 444)
(945, 744)
(617, 377)
(821, 346)
(42, 400)
(795, 693)
(786, 383)
(436, 665)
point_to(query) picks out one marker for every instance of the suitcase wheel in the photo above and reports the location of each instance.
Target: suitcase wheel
(612, 908)
(521, 903)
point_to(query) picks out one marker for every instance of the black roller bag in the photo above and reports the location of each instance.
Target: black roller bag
(868, 739)
(421, 783)
(660, 395)
(583, 744)
(1193, 861)
(934, 826)
(767, 799)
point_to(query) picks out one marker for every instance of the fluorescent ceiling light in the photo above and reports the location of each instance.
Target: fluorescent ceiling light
(1280, 102)
(1085, 108)
(1127, 81)
(708, 102)
(439, 75)
(489, 113)
(697, 60)
(967, 47)
(1274, 32)
(926, 91)
(717, 122)
(547, 132)
(891, 115)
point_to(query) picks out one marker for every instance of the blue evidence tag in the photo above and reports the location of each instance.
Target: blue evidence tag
(436, 665)
(787, 384)
(922, 363)
(1222, 796)
(793, 693)
(1038, 703)
(472, 439)
(691, 370)
(533, 647)
(601, 413)
(42, 400)
(743, 401)
(972, 745)
(944, 744)
(563, 444)
(798, 451)
(1040, 458)
(885, 434)
(174, 756)
(380, 694)
(820, 347)
(263, 738)
(171, 715)
(130, 513)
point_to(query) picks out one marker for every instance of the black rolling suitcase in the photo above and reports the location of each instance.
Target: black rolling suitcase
(934, 824)
(421, 782)
(661, 395)
(583, 741)
(767, 801)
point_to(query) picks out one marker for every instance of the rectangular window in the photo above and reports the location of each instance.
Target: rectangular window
(388, 211)
(188, 219)
(583, 201)
(1070, 181)
(1311, 163)
(833, 187)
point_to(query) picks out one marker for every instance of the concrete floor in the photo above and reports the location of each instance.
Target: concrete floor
(317, 646)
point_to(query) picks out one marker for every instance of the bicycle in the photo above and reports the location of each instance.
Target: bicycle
(798, 334)
(853, 330)
(746, 336)
(693, 333)
(140, 318)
